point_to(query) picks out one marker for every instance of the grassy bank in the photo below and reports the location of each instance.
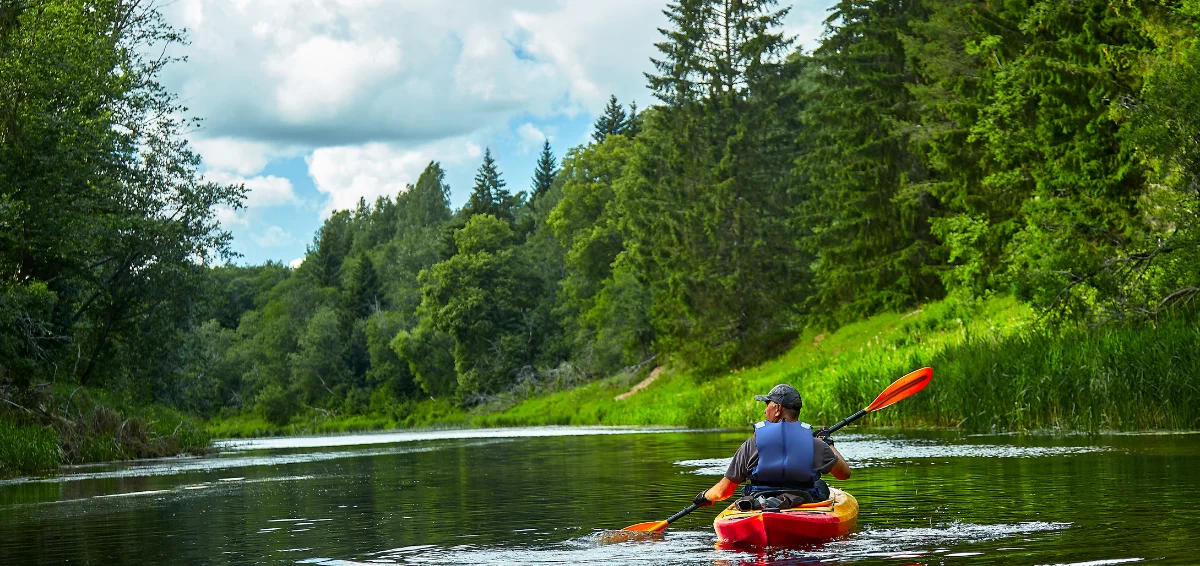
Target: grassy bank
(995, 369)
(411, 414)
(56, 425)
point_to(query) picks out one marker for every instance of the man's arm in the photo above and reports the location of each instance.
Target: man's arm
(841, 470)
(722, 490)
(726, 487)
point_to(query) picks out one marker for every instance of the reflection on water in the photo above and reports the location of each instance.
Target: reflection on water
(547, 496)
(871, 450)
(415, 436)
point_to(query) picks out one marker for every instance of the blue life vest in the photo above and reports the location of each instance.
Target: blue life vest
(785, 456)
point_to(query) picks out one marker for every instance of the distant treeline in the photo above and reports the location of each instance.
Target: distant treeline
(1043, 148)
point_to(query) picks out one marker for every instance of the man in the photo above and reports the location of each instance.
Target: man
(783, 458)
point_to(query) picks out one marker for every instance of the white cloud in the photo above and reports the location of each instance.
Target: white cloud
(317, 78)
(261, 191)
(530, 137)
(228, 217)
(338, 72)
(233, 155)
(296, 263)
(369, 171)
(319, 73)
(274, 237)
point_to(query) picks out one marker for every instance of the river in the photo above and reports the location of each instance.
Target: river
(546, 496)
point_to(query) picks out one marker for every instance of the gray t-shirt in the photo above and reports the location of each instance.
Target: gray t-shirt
(746, 459)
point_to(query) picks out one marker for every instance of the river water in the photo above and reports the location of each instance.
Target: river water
(546, 496)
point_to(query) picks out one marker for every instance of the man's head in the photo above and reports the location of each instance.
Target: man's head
(783, 403)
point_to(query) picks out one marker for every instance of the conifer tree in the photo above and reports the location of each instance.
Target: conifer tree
(363, 294)
(489, 195)
(612, 121)
(865, 208)
(633, 124)
(705, 203)
(329, 250)
(544, 173)
(1055, 125)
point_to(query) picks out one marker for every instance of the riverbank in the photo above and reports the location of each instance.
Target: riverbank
(58, 424)
(996, 369)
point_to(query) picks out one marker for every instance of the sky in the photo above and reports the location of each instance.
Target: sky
(313, 104)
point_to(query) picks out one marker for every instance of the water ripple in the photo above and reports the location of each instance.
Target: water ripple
(868, 452)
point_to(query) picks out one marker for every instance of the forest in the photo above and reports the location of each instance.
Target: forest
(925, 149)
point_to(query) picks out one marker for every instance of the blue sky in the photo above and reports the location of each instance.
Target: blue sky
(315, 103)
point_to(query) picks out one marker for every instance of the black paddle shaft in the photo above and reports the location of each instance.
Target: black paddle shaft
(676, 516)
(844, 422)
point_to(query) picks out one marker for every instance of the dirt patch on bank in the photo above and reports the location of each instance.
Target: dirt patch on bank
(641, 385)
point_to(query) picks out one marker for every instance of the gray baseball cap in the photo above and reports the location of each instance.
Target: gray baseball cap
(784, 395)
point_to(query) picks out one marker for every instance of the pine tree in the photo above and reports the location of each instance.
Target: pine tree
(1055, 126)
(544, 173)
(489, 195)
(612, 121)
(363, 294)
(329, 250)
(633, 125)
(865, 208)
(706, 206)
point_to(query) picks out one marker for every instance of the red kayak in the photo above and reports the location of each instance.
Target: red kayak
(809, 523)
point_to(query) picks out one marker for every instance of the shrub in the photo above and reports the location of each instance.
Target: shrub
(277, 405)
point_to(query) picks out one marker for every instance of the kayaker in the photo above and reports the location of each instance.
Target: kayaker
(779, 461)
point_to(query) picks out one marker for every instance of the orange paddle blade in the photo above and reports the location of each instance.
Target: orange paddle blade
(902, 388)
(650, 527)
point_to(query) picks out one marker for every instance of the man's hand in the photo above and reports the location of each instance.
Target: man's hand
(823, 434)
(700, 500)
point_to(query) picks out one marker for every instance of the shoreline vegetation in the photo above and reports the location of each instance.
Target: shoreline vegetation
(995, 369)
(1007, 192)
(57, 425)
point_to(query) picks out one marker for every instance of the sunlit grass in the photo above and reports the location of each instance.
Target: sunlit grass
(994, 369)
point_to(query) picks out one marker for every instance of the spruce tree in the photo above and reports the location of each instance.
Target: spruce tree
(865, 208)
(1055, 124)
(612, 121)
(489, 195)
(633, 124)
(544, 173)
(706, 205)
(363, 294)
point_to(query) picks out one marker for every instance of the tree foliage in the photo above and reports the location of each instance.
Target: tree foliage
(1037, 147)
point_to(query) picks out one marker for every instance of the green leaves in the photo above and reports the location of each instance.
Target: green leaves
(99, 192)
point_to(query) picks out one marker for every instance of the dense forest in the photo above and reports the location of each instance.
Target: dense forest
(925, 148)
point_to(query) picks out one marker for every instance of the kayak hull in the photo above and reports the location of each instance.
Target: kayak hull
(814, 522)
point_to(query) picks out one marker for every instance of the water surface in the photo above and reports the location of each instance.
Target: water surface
(546, 495)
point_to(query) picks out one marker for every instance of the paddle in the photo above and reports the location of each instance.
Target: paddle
(660, 526)
(897, 391)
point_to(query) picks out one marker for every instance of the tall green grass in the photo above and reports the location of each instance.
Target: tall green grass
(74, 425)
(994, 369)
(27, 449)
(1121, 378)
